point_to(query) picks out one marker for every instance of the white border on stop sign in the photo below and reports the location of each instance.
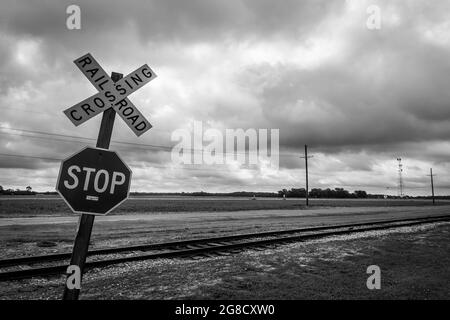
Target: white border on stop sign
(82, 212)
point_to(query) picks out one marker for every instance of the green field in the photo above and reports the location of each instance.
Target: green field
(29, 207)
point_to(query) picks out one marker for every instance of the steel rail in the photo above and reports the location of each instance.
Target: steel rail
(217, 244)
(167, 245)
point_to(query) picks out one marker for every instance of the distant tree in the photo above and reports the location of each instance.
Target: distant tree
(322, 193)
(341, 193)
(360, 194)
(316, 193)
(1, 189)
(296, 193)
(29, 189)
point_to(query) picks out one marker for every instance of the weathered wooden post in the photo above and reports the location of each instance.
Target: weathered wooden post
(110, 187)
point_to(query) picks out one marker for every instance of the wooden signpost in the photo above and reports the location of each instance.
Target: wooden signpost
(111, 99)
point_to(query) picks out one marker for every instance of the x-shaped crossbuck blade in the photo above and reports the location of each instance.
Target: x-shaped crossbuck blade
(111, 95)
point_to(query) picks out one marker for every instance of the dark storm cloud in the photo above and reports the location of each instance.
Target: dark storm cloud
(359, 98)
(107, 27)
(171, 20)
(22, 163)
(390, 88)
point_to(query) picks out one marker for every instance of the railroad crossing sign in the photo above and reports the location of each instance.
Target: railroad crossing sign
(94, 181)
(111, 95)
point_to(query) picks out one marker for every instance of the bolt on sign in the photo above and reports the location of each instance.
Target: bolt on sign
(111, 95)
(94, 181)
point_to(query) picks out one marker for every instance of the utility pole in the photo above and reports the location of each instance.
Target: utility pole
(306, 172)
(400, 178)
(386, 195)
(432, 185)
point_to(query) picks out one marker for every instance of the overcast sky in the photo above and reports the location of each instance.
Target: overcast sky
(358, 97)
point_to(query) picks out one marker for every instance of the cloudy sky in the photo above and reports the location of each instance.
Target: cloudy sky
(359, 97)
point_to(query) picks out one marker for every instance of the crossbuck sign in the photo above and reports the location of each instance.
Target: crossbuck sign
(111, 95)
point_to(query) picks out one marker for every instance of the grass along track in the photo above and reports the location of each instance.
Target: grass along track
(24, 267)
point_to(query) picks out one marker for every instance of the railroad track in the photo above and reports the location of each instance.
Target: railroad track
(25, 267)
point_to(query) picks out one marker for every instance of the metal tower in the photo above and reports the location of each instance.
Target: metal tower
(400, 178)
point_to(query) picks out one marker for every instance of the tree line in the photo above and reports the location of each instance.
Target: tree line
(28, 191)
(292, 193)
(323, 193)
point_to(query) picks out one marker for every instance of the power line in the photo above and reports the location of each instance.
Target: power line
(83, 138)
(143, 145)
(153, 165)
(28, 156)
(53, 139)
(52, 115)
(39, 138)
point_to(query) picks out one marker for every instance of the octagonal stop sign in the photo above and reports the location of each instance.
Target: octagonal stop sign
(94, 181)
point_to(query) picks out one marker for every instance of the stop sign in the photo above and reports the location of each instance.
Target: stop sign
(93, 181)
